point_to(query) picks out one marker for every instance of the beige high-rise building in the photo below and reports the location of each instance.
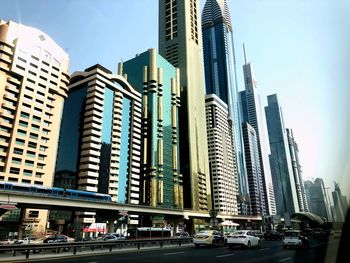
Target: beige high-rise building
(33, 86)
(180, 42)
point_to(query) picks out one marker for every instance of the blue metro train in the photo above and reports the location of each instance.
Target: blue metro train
(54, 191)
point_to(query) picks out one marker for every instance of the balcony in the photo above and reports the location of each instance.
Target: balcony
(90, 167)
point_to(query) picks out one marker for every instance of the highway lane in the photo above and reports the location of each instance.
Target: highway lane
(271, 251)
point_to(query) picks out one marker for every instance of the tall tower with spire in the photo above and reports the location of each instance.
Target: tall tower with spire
(253, 114)
(180, 42)
(221, 79)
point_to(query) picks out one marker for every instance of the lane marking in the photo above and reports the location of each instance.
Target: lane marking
(93, 262)
(284, 259)
(226, 255)
(266, 248)
(174, 253)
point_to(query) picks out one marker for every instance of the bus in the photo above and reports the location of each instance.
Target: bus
(148, 232)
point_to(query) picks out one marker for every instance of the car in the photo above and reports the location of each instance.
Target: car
(56, 239)
(272, 235)
(208, 238)
(294, 238)
(7, 242)
(113, 236)
(182, 235)
(243, 238)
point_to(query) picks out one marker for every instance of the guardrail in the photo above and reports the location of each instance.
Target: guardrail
(92, 245)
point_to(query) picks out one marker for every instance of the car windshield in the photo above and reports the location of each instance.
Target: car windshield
(291, 234)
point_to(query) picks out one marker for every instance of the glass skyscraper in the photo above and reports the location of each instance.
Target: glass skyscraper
(158, 81)
(100, 139)
(180, 42)
(221, 80)
(253, 114)
(284, 184)
(256, 198)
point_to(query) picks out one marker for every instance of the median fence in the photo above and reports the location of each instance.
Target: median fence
(76, 247)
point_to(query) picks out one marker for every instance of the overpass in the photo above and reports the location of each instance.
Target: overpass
(42, 201)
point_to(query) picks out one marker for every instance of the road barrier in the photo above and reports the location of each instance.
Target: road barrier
(76, 247)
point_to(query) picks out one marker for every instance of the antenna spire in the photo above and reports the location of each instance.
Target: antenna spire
(245, 54)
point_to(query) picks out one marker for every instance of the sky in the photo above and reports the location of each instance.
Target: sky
(300, 49)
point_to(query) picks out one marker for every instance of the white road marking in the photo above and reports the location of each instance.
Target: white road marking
(284, 259)
(266, 248)
(226, 255)
(174, 253)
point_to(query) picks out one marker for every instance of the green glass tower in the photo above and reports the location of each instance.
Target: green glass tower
(180, 42)
(158, 81)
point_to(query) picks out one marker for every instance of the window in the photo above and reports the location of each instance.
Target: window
(18, 151)
(19, 142)
(27, 173)
(31, 154)
(32, 145)
(33, 214)
(24, 115)
(14, 170)
(16, 161)
(29, 163)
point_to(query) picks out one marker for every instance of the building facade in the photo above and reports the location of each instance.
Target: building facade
(158, 81)
(33, 87)
(223, 172)
(257, 198)
(297, 172)
(318, 200)
(100, 139)
(284, 184)
(340, 203)
(221, 79)
(254, 116)
(180, 42)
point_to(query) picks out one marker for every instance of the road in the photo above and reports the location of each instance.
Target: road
(271, 251)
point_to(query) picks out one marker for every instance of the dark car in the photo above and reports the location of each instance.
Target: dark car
(56, 239)
(272, 235)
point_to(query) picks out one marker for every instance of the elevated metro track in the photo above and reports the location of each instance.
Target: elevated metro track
(38, 201)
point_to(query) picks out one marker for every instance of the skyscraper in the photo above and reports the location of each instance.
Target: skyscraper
(257, 197)
(220, 75)
(255, 118)
(158, 80)
(180, 42)
(317, 198)
(340, 203)
(221, 163)
(284, 184)
(100, 139)
(33, 86)
(297, 172)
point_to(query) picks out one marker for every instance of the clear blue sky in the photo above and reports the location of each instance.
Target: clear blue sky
(299, 49)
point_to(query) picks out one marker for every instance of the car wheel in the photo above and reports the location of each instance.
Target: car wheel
(284, 246)
(197, 245)
(259, 244)
(213, 243)
(230, 246)
(249, 245)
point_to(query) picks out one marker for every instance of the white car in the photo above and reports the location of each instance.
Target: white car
(208, 238)
(243, 238)
(294, 238)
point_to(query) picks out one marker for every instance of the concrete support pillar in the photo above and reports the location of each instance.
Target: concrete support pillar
(110, 225)
(21, 223)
